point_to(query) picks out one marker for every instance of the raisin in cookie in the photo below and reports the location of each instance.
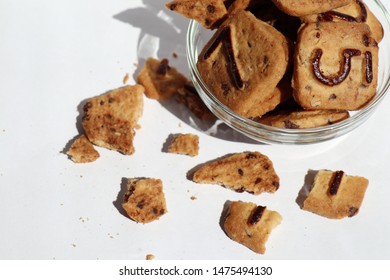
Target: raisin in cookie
(336, 195)
(356, 11)
(336, 66)
(159, 79)
(252, 172)
(82, 151)
(207, 12)
(109, 120)
(250, 224)
(144, 200)
(307, 7)
(243, 62)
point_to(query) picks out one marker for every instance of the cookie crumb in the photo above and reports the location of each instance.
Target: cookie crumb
(125, 78)
(149, 257)
(194, 197)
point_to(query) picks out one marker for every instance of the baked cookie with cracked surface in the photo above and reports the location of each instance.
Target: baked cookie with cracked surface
(336, 195)
(184, 144)
(336, 66)
(82, 151)
(207, 12)
(160, 80)
(250, 224)
(356, 11)
(303, 118)
(306, 7)
(110, 119)
(243, 62)
(252, 172)
(144, 200)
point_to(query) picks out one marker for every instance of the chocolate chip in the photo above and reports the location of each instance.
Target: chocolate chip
(258, 180)
(240, 171)
(141, 204)
(289, 124)
(211, 9)
(251, 156)
(352, 211)
(172, 7)
(332, 96)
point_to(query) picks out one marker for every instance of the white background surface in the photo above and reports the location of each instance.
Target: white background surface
(56, 54)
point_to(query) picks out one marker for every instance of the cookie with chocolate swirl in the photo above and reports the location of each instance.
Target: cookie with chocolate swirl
(356, 11)
(250, 224)
(336, 66)
(243, 62)
(335, 195)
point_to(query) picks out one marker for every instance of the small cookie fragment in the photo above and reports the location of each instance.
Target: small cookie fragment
(185, 144)
(109, 120)
(208, 13)
(82, 151)
(336, 195)
(304, 119)
(307, 7)
(149, 257)
(250, 224)
(160, 80)
(144, 200)
(252, 172)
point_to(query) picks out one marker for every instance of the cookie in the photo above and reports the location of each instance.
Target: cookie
(82, 151)
(304, 119)
(160, 80)
(109, 120)
(207, 12)
(356, 11)
(336, 195)
(306, 7)
(266, 11)
(250, 224)
(336, 66)
(243, 62)
(252, 172)
(144, 200)
(185, 144)
(188, 96)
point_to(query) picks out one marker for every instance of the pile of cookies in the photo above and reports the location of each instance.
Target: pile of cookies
(286, 63)
(283, 63)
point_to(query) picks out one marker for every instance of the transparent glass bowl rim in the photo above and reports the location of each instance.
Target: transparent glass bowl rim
(270, 134)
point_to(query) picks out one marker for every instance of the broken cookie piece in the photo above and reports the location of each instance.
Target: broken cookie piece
(336, 195)
(250, 224)
(144, 200)
(160, 80)
(208, 13)
(252, 172)
(185, 144)
(82, 151)
(109, 120)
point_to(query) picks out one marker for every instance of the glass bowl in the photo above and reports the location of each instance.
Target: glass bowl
(197, 37)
